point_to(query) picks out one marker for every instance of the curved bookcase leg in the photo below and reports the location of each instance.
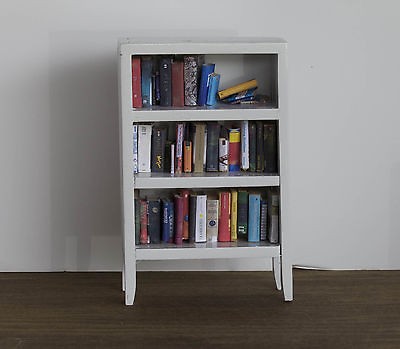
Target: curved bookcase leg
(287, 279)
(276, 267)
(130, 284)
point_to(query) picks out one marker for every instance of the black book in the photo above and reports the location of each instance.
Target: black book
(158, 140)
(165, 82)
(154, 220)
(192, 217)
(260, 147)
(252, 146)
(213, 130)
(270, 148)
(242, 214)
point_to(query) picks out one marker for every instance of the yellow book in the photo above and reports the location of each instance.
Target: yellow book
(234, 210)
(237, 88)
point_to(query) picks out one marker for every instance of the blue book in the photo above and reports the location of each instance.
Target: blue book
(167, 234)
(147, 71)
(213, 86)
(254, 218)
(206, 70)
(244, 95)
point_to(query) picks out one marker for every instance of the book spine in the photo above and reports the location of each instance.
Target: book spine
(234, 150)
(213, 129)
(178, 200)
(212, 220)
(198, 147)
(237, 88)
(187, 156)
(273, 224)
(185, 228)
(244, 144)
(191, 74)
(136, 83)
(135, 149)
(179, 148)
(234, 214)
(223, 149)
(254, 218)
(206, 70)
(178, 89)
(172, 169)
(263, 220)
(137, 221)
(165, 82)
(243, 208)
(192, 217)
(201, 220)
(154, 220)
(224, 231)
(237, 97)
(146, 83)
(144, 148)
(158, 149)
(270, 151)
(144, 236)
(168, 221)
(260, 146)
(213, 89)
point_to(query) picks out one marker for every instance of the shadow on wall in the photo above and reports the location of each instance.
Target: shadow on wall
(84, 152)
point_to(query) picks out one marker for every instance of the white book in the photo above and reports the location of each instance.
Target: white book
(244, 141)
(135, 148)
(201, 219)
(172, 159)
(212, 220)
(144, 148)
(223, 150)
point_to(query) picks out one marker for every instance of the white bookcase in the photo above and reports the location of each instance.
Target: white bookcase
(237, 60)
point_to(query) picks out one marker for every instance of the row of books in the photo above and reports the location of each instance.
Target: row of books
(224, 216)
(182, 80)
(185, 147)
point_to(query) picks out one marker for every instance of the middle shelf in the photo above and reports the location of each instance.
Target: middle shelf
(204, 180)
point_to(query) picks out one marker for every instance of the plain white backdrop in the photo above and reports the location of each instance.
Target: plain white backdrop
(59, 178)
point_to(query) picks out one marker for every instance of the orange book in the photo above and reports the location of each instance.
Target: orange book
(187, 156)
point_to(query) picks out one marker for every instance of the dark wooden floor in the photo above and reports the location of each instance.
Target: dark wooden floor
(358, 309)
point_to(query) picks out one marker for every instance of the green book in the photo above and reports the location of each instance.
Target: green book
(242, 214)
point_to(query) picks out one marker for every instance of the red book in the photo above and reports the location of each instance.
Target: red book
(224, 219)
(234, 150)
(178, 90)
(144, 236)
(136, 83)
(185, 229)
(178, 201)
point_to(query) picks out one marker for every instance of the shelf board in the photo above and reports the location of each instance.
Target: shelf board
(219, 112)
(211, 250)
(204, 180)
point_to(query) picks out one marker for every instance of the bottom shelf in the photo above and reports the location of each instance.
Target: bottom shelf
(210, 250)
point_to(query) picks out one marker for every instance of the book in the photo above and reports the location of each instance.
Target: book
(198, 221)
(260, 146)
(167, 231)
(243, 208)
(165, 82)
(223, 148)
(191, 72)
(199, 147)
(263, 220)
(173, 158)
(185, 211)
(234, 214)
(237, 88)
(137, 220)
(154, 220)
(270, 148)
(178, 207)
(180, 129)
(144, 236)
(178, 88)
(159, 136)
(243, 95)
(254, 217)
(206, 70)
(136, 83)
(212, 219)
(135, 148)
(213, 129)
(224, 218)
(273, 216)
(144, 148)
(146, 83)
(187, 151)
(234, 150)
(252, 146)
(244, 145)
(213, 86)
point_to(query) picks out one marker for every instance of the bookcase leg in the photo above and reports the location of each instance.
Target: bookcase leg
(123, 278)
(130, 285)
(276, 267)
(287, 280)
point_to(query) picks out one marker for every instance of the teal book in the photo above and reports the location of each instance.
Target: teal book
(254, 218)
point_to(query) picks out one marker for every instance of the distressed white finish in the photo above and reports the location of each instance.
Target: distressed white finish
(264, 53)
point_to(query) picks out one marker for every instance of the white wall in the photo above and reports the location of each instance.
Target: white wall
(59, 179)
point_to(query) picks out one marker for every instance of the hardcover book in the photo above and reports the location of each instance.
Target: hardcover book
(191, 72)
(198, 222)
(213, 86)
(252, 146)
(144, 236)
(180, 128)
(178, 88)
(213, 129)
(243, 208)
(244, 145)
(135, 149)
(185, 210)
(199, 147)
(144, 148)
(167, 221)
(243, 95)
(237, 88)
(206, 70)
(165, 82)
(179, 217)
(270, 148)
(273, 216)
(260, 146)
(234, 214)
(254, 218)
(154, 220)
(187, 151)
(223, 149)
(224, 219)
(136, 83)
(137, 221)
(234, 150)
(263, 220)
(212, 219)
(147, 72)
(159, 136)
